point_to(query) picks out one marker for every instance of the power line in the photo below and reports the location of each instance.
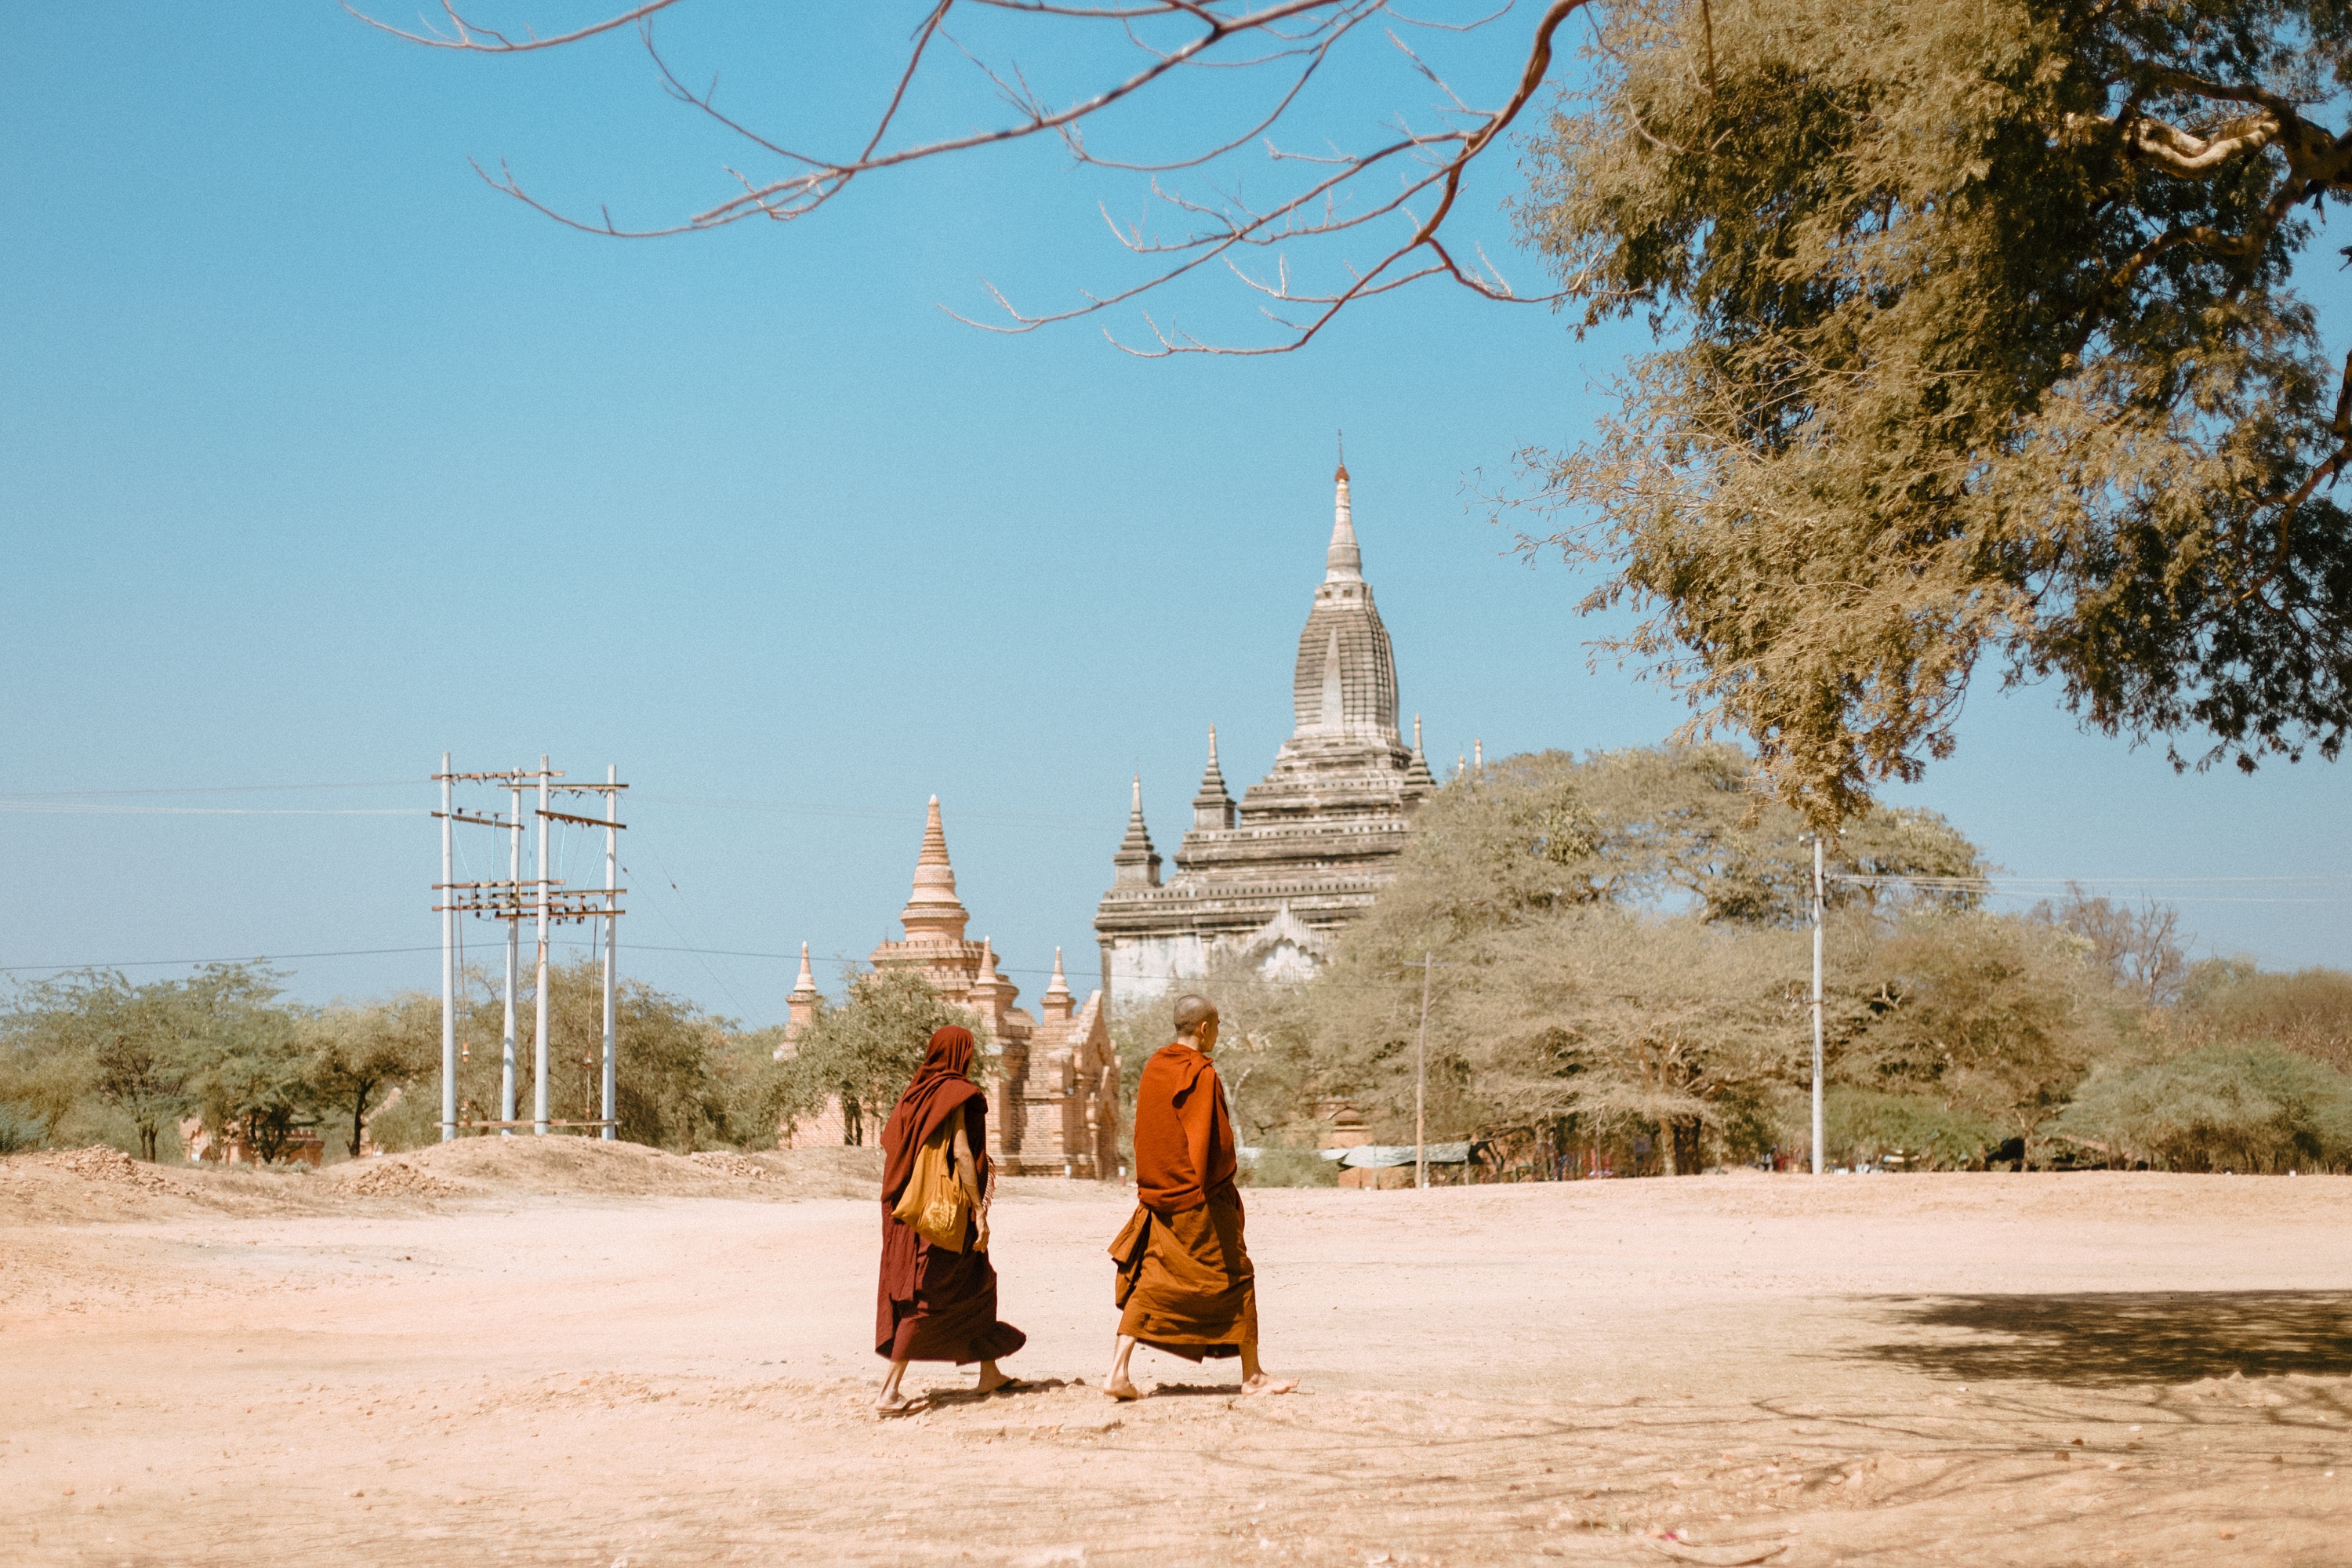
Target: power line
(244, 958)
(204, 789)
(876, 814)
(374, 951)
(62, 809)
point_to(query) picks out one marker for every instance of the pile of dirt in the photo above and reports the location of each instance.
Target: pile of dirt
(79, 1185)
(100, 1163)
(105, 1185)
(729, 1162)
(397, 1177)
(565, 1166)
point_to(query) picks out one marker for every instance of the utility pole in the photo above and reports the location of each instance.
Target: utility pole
(538, 1045)
(448, 964)
(1421, 1082)
(1818, 885)
(550, 904)
(514, 961)
(610, 1129)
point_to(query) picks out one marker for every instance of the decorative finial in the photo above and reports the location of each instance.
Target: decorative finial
(1343, 455)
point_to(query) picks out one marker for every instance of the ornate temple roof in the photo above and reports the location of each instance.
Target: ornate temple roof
(1307, 846)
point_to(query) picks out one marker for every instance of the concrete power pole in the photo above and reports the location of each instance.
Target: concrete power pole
(611, 1129)
(514, 962)
(539, 1043)
(1818, 885)
(448, 962)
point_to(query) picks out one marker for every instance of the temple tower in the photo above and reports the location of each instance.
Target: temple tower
(1053, 1098)
(1272, 876)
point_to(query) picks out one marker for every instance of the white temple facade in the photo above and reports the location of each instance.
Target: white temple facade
(1273, 877)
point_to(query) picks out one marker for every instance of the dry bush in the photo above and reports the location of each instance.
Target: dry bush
(2220, 1107)
(2309, 1011)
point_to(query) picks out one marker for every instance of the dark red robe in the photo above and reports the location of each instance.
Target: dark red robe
(933, 1304)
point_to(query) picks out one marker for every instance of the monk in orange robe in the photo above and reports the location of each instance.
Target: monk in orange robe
(1185, 1283)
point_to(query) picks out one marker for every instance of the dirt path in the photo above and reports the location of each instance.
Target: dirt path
(1964, 1370)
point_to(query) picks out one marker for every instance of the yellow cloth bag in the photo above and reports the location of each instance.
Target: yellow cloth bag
(935, 1204)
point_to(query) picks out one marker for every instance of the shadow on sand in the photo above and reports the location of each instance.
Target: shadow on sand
(2102, 1339)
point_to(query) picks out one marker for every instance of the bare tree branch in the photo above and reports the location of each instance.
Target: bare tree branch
(1297, 37)
(478, 39)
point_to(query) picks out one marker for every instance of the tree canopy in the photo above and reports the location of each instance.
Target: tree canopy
(862, 1051)
(1979, 341)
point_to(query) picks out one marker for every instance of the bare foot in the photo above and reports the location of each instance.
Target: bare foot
(992, 1378)
(1120, 1388)
(1266, 1383)
(893, 1403)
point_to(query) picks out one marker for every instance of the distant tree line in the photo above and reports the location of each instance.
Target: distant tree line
(90, 1057)
(1621, 976)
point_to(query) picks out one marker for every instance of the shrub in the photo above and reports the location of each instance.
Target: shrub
(1285, 1166)
(20, 1130)
(1866, 1124)
(2220, 1107)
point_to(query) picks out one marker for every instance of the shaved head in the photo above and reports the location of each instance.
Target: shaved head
(1192, 1011)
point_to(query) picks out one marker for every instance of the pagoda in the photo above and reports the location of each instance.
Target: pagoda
(1273, 877)
(1054, 1102)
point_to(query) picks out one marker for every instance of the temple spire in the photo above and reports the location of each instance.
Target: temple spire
(1136, 862)
(1213, 808)
(1056, 1002)
(1417, 775)
(933, 912)
(1343, 562)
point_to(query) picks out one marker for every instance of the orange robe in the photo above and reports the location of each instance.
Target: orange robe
(1185, 1282)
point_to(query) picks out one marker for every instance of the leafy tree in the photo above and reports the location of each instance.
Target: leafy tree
(1994, 1017)
(1628, 1023)
(1981, 341)
(1537, 885)
(91, 1035)
(864, 1051)
(355, 1056)
(242, 1050)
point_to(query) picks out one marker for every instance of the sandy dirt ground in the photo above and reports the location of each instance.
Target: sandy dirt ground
(528, 1355)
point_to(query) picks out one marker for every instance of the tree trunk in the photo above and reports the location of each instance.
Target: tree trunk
(1689, 1156)
(149, 1135)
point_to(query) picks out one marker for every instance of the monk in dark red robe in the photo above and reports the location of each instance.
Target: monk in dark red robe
(1185, 1282)
(934, 1303)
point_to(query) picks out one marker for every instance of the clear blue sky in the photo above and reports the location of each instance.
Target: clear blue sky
(318, 457)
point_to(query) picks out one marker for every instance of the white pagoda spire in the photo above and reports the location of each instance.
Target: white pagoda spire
(1343, 562)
